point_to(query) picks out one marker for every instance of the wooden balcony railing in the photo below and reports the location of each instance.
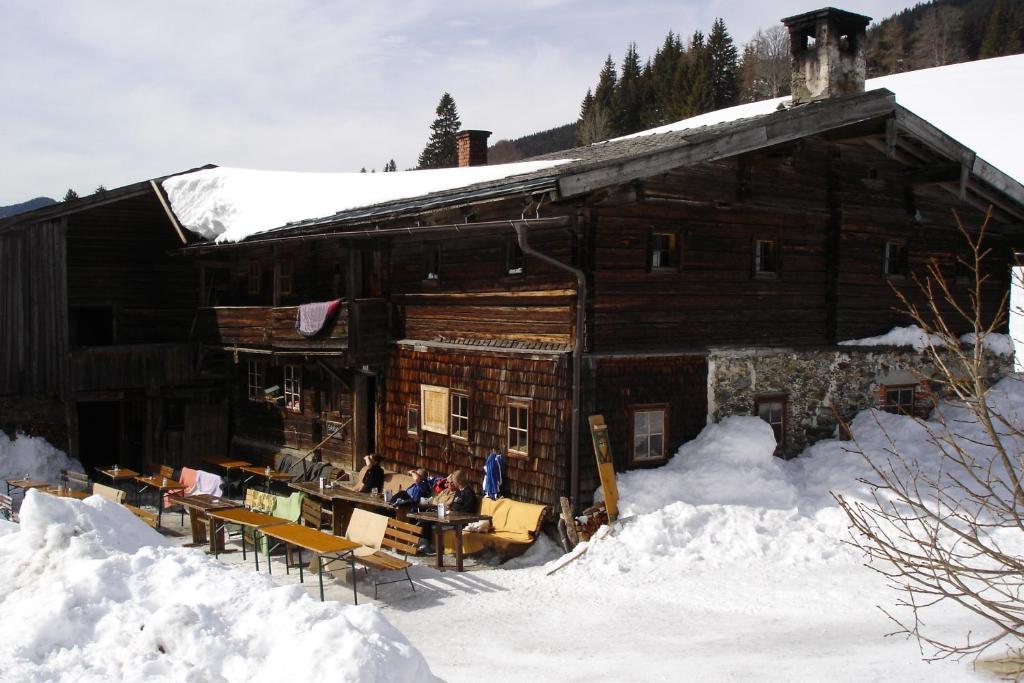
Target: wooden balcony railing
(358, 330)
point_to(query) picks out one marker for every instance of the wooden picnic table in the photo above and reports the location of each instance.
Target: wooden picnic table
(25, 484)
(164, 484)
(323, 545)
(199, 506)
(452, 520)
(272, 476)
(343, 500)
(244, 519)
(118, 477)
(228, 463)
(64, 492)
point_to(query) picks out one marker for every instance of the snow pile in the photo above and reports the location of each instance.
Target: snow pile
(724, 499)
(33, 457)
(969, 102)
(999, 344)
(911, 335)
(231, 204)
(88, 592)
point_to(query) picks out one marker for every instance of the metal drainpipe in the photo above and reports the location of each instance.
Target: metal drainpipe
(522, 229)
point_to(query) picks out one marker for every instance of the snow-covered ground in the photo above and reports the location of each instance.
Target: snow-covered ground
(731, 565)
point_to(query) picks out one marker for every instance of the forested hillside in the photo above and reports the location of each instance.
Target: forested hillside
(701, 73)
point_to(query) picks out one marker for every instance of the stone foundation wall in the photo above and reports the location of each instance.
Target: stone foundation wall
(815, 382)
(35, 416)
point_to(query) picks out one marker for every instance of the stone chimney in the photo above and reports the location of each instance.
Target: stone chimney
(472, 146)
(826, 54)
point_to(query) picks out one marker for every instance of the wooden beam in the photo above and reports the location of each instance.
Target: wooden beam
(766, 131)
(167, 210)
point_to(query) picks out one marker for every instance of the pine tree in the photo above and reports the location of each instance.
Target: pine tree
(700, 97)
(441, 150)
(585, 108)
(628, 95)
(598, 122)
(1003, 35)
(723, 65)
(390, 167)
(70, 194)
(662, 82)
(888, 53)
(362, 170)
(99, 189)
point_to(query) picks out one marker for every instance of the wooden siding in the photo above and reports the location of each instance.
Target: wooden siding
(33, 310)
(488, 379)
(151, 366)
(120, 255)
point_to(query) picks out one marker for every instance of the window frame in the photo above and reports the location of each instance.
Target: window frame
(428, 394)
(895, 267)
(455, 417)
(897, 407)
(286, 276)
(432, 263)
(254, 273)
(674, 251)
(783, 400)
(515, 404)
(292, 387)
(412, 425)
(515, 259)
(776, 256)
(663, 409)
(256, 370)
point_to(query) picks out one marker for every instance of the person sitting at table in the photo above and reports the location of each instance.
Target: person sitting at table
(465, 498)
(373, 479)
(422, 487)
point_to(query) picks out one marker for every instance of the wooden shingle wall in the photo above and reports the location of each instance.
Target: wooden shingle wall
(489, 379)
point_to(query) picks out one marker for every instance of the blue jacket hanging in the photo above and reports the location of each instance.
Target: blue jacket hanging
(492, 475)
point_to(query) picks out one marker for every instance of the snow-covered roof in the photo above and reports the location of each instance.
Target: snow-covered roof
(973, 103)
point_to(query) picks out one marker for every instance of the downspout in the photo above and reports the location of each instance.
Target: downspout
(522, 230)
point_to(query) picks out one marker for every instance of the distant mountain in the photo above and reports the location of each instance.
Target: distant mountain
(30, 205)
(544, 142)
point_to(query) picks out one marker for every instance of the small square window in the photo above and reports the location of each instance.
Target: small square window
(515, 260)
(293, 388)
(255, 275)
(900, 400)
(412, 420)
(518, 427)
(257, 379)
(766, 257)
(432, 263)
(460, 416)
(649, 433)
(772, 409)
(664, 252)
(894, 263)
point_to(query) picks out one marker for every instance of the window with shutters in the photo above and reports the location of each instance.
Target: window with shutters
(434, 409)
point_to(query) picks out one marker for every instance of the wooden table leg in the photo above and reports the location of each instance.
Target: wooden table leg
(439, 544)
(458, 548)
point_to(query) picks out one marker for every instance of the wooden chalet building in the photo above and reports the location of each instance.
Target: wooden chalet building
(661, 280)
(95, 321)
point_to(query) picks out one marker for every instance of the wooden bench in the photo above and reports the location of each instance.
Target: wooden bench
(514, 527)
(377, 533)
(110, 493)
(76, 481)
(146, 516)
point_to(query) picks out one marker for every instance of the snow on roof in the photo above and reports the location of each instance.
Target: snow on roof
(975, 103)
(231, 204)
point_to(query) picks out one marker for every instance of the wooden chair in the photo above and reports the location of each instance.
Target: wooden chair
(314, 515)
(378, 533)
(76, 481)
(109, 492)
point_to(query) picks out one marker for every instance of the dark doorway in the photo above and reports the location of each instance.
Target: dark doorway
(99, 433)
(91, 325)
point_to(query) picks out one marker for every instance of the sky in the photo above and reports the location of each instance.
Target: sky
(112, 92)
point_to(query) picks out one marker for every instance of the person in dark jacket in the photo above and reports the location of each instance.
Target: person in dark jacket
(465, 499)
(422, 487)
(373, 479)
